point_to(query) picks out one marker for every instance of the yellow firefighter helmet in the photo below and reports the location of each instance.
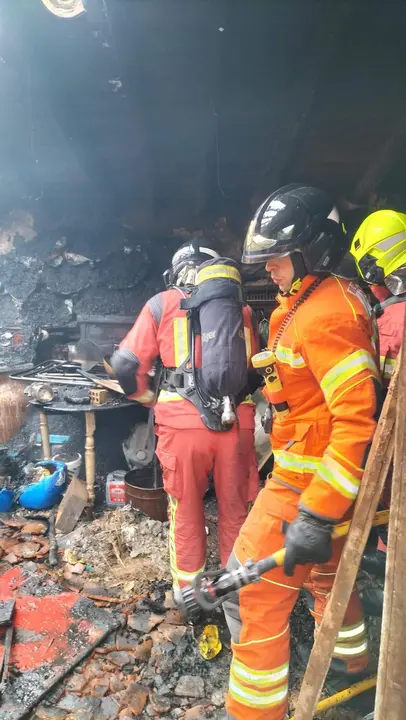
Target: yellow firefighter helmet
(379, 250)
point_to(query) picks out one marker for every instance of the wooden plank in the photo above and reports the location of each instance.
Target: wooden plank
(376, 470)
(391, 687)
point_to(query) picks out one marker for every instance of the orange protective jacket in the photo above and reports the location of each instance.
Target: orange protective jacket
(161, 330)
(327, 364)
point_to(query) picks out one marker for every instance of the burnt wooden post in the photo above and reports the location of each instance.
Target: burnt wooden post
(44, 428)
(372, 484)
(391, 686)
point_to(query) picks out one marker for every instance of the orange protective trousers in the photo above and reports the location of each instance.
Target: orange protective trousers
(187, 457)
(258, 617)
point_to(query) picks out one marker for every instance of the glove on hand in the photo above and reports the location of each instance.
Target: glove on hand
(308, 540)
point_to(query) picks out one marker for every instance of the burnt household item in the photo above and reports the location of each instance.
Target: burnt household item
(115, 489)
(89, 412)
(107, 332)
(41, 392)
(72, 461)
(86, 354)
(77, 396)
(7, 608)
(55, 372)
(139, 448)
(46, 492)
(144, 491)
(107, 383)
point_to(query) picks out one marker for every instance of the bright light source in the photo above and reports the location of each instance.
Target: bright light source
(65, 8)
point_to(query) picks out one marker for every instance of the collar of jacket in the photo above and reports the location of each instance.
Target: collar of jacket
(286, 302)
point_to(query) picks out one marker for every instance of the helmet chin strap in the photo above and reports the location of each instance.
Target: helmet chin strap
(299, 272)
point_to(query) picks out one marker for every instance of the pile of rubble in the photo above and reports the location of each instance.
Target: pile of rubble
(122, 551)
(151, 669)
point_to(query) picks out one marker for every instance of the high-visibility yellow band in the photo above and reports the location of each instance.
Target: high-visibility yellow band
(168, 396)
(259, 677)
(339, 478)
(180, 339)
(351, 631)
(213, 272)
(251, 698)
(288, 357)
(297, 463)
(350, 651)
(345, 370)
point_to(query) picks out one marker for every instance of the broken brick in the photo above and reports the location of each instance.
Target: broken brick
(35, 528)
(26, 550)
(116, 684)
(174, 617)
(190, 686)
(120, 658)
(50, 713)
(142, 651)
(126, 714)
(11, 559)
(195, 713)
(76, 683)
(108, 710)
(99, 687)
(160, 703)
(144, 622)
(135, 698)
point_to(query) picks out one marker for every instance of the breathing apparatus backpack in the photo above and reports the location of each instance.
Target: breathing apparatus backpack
(215, 312)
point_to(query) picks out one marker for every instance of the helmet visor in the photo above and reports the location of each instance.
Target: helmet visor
(370, 270)
(258, 248)
(396, 281)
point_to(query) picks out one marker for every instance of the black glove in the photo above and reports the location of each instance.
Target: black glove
(308, 540)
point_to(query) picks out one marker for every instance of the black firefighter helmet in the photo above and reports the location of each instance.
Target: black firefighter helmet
(297, 218)
(186, 261)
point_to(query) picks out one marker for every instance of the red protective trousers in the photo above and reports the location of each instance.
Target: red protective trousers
(258, 617)
(187, 457)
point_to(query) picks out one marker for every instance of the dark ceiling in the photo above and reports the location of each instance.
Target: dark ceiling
(168, 113)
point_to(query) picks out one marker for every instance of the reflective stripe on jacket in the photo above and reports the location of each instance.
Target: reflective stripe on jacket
(161, 330)
(328, 367)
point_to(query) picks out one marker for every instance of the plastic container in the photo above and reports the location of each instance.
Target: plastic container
(72, 461)
(115, 489)
(144, 491)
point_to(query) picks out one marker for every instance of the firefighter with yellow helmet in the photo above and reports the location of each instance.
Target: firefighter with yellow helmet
(379, 250)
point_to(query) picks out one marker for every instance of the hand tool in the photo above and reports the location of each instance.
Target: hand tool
(265, 363)
(211, 587)
(7, 609)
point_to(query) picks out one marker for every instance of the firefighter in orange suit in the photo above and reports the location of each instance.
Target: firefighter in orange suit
(321, 334)
(188, 451)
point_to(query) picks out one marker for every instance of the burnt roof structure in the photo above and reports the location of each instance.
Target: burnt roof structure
(165, 113)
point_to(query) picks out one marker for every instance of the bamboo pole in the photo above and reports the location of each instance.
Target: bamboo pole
(376, 470)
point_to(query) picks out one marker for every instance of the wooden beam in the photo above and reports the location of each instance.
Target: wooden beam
(391, 688)
(376, 470)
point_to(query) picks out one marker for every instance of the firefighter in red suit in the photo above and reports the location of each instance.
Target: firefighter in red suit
(379, 249)
(187, 450)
